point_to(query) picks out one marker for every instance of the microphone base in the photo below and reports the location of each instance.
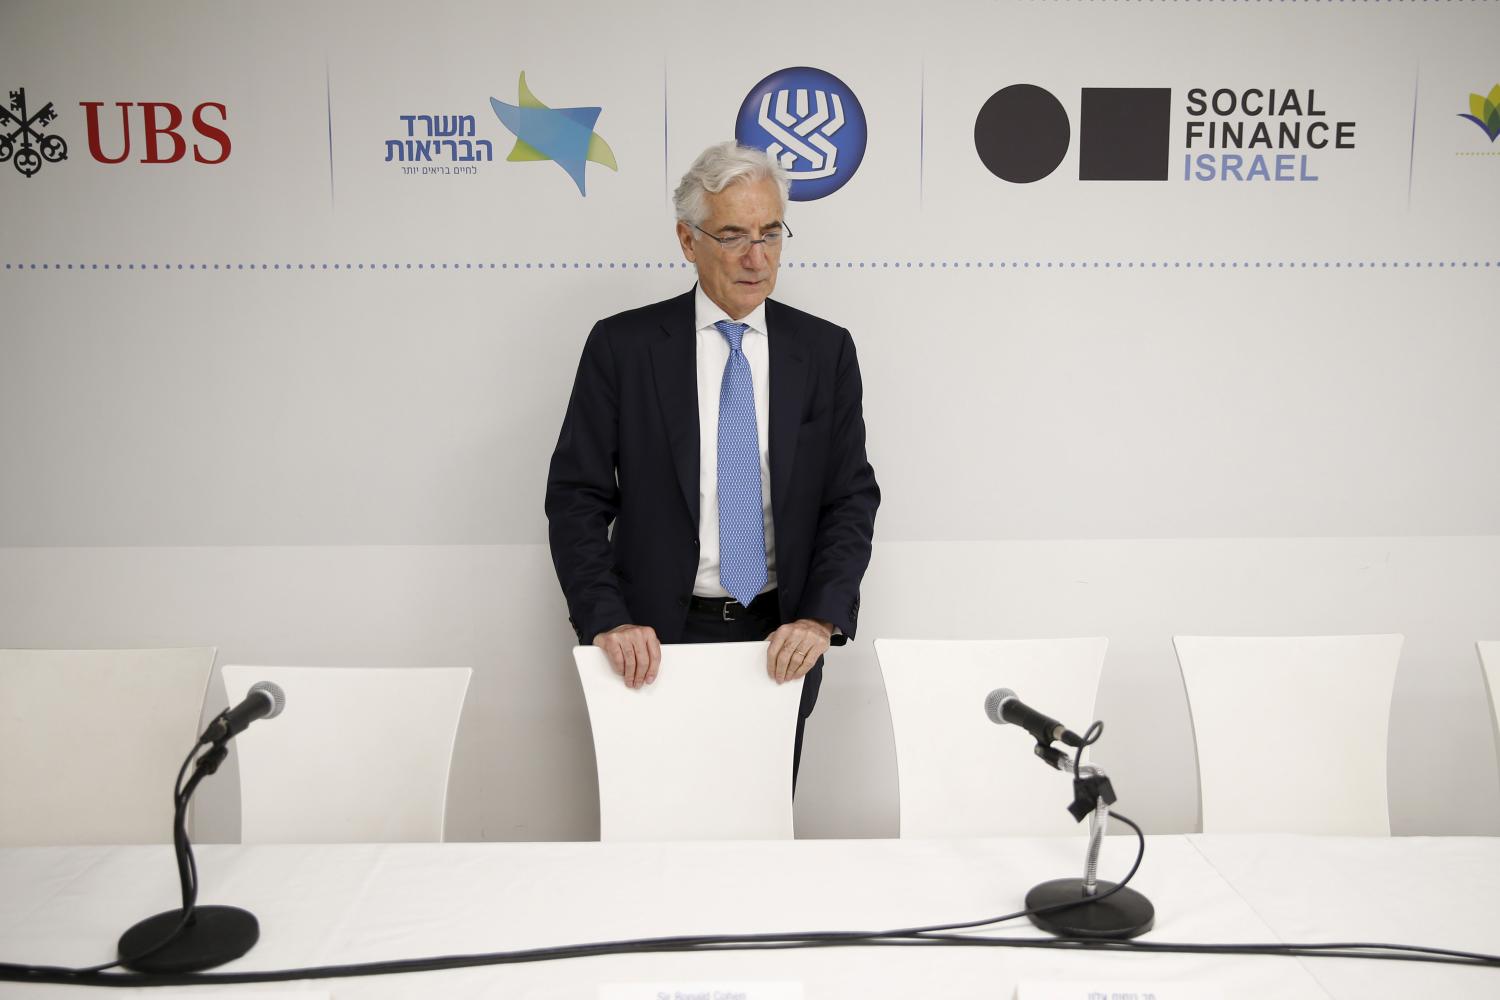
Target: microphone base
(215, 935)
(1125, 914)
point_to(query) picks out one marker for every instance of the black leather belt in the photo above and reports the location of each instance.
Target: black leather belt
(728, 609)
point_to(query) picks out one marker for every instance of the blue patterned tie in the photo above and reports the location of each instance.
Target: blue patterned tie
(742, 534)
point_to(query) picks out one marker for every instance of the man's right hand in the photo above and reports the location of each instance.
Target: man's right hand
(633, 651)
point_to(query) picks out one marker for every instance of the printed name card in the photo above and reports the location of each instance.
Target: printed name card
(232, 993)
(1094, 989)
(700, 991)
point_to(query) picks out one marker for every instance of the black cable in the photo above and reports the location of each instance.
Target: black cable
(1352, 949)
(190, 862)
(1090, 737)
(180, 798)
(1396, 952)
(1140, 853)
(1384, 952)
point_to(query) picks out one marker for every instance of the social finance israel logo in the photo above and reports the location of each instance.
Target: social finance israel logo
(565, 136)
(1022, 134)
(1485, 112)
(811, 122)
(22, 140)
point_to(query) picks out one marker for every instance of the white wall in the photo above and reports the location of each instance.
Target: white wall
(1128, 409)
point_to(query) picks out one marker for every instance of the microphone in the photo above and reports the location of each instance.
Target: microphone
(265, 700)
(1002, 706)
(195, 937)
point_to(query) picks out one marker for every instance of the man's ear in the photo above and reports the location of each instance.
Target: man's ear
(685, 237)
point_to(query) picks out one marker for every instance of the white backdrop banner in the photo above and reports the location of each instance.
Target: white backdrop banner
(467, 133)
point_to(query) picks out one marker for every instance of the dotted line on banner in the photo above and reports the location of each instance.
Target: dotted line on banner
(1248, 2)
(930, 265)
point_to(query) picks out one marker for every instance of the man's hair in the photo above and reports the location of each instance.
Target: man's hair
(716, 168)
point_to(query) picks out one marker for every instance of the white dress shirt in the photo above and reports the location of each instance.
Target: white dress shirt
(713, 355)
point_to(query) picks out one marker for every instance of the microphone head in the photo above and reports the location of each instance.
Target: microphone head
(273, 691)
(994, 700)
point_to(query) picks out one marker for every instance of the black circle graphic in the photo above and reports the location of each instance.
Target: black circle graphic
(1022, 133)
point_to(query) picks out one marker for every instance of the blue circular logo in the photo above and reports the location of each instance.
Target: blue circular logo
(811, 122)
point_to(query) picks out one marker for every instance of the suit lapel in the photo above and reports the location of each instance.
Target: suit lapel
(788, 381)
(674, 359)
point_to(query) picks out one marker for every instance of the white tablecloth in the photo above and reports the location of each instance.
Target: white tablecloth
(350, 903)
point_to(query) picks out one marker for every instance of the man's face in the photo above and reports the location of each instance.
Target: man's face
(737, 281)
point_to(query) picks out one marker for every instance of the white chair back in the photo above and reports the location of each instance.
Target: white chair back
(960, 774)
(358, 755)
(1291, 732)
(1489, 668)
(703, 753)
(90, 741)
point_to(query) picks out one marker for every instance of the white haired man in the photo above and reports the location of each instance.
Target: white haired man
(721, 433)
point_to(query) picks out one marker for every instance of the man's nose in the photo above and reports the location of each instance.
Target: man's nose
(755, 255)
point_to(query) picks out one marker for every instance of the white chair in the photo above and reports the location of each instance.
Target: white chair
(703, 753)
(358, 755)
(1489, 669)
(90, 741)
(961, 775)
(1291, 732)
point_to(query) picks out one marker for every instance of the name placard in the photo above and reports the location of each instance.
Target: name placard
(1096, 989)
(229, 993)
(701, 991)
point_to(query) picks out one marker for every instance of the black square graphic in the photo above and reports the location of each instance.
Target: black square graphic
(1124, 134)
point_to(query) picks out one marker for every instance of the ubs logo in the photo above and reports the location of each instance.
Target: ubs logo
(22, 139)
(153, 129)
(157, 123)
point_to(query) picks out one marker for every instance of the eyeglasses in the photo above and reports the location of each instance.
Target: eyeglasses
(740, 242)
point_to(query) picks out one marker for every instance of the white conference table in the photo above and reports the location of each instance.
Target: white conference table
(335, 904)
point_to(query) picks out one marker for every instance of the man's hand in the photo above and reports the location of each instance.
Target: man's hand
(633, 651)
(795, 648)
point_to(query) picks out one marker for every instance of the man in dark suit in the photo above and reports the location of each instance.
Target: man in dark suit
(722, 435)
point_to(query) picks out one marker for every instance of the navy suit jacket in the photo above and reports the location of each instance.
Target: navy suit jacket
(627, 456)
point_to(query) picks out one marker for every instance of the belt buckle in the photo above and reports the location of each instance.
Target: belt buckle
(728, 604)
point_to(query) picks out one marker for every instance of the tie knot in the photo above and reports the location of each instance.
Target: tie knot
(733, 332)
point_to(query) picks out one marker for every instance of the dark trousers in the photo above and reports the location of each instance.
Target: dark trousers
(752, 624)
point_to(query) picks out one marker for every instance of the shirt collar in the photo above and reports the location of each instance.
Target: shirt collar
(708, 312)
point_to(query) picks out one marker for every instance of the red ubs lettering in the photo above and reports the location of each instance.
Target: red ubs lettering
(158, 124)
